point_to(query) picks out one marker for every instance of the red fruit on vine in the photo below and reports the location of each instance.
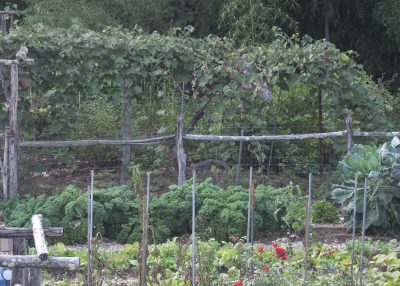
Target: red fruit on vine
(24, 83)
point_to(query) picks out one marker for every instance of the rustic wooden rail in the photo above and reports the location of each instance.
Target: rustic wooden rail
(198, 137)
(33, 261)
(12, 12)
(17, 62)
(20, 232)
(71, 143)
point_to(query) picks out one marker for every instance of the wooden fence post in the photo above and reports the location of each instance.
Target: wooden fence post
(126, 132)
(4, 166)
(14, 132)
(239, 159)
(180, 151)
(19, 274)
(349, 127)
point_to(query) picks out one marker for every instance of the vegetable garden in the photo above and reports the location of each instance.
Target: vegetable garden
(86, 85)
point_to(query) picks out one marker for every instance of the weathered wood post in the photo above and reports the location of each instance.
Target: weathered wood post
(12, 98)
(126, 130)
(349, 127)
(14, 132)
(239, 159)
(35, 275)
(4, 166)
(19, 274)
(180, 151)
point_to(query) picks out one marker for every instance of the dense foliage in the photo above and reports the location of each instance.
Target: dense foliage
(381, 166)
(220, 213)
(370, 28)
(76, 66)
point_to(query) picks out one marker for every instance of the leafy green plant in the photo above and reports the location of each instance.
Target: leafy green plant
(324, 211)
(381, 166)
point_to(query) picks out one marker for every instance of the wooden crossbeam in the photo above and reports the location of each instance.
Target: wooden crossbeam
(20, 232)
(33, 261)
(12, 62)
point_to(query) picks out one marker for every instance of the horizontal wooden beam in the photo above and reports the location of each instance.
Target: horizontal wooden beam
(33, 261)
(24, 62)
(20, 232)
(375, 134)
(12, 12)
(70, 143)
(198, 137)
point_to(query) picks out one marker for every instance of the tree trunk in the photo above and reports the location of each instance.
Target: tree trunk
(126, 132)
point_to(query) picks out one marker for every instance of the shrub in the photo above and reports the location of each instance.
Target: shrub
(324, 211)
(219, 213)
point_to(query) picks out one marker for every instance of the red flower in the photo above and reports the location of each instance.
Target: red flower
(238, 283)
(275, 245)
(281, 253)
(260, 249)
(265, 268)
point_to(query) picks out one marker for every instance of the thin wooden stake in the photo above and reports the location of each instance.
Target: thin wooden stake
(239, 159)
(307, 230)
(354, 227)
(194, 229)
(363, 230)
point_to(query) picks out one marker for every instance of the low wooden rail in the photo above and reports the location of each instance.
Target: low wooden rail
(198, 137)
(71, 143)
(21, 232)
